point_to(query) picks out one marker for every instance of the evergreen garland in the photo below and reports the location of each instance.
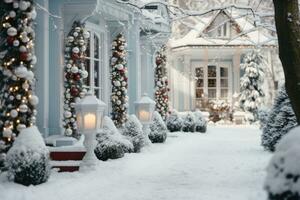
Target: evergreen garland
(251, 83)
(75, 73)
(119, 80)
(17, 60)
(161, 84)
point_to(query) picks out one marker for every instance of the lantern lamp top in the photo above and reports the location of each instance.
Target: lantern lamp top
(89, 101)
(145, 100)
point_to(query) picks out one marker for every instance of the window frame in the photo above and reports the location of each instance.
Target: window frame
(95, 30)
(204, 66)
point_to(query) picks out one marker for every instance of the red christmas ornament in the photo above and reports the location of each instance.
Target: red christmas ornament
(10, 40)
(75, 56)
(76, 77)
(74, 91)
(158, 61)
(23, 56)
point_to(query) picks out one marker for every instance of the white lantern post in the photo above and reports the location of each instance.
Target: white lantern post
(89, 114)
(144, 109)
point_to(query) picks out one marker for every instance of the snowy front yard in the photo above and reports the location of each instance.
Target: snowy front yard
(226, 163)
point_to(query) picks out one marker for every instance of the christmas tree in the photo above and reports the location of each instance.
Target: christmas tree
(119, 98)
(75, 73)
(161, 84)
(280, 120)
(17, 61)
(251, 83)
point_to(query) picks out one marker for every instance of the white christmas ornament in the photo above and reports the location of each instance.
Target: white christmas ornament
(30, 75)
(74, 69)
(75, 34)
(75, 50)
(23, 5)
(33, 100)
(15, 4)
(33, 60)
(13, 113)
(21, 126)
(7, 132)
(23, 108)
(84, 74)
(12, 14)
(70, 39)
(21, 71)
(68, 131)
(22, 49)
(12, 31)
(67, 114)
(16, 43)
(86, 34)
(25, 86)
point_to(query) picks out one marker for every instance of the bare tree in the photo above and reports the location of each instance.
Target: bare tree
(288, 30)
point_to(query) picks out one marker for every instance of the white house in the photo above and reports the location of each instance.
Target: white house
(104, 19)
(205, 64)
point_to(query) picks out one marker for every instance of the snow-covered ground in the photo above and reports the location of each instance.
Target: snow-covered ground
(226, 163)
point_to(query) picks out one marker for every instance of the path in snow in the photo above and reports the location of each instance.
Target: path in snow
(227, 163)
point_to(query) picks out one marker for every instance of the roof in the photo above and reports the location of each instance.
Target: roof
(249, 36)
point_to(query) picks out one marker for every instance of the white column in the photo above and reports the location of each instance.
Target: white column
(42, 67)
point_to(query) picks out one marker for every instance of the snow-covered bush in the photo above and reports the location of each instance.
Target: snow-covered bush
(174, 122)
(188, 124)
(200, 122)
(158, 129)
(111, 144)
(251, 83)
(263, 114)
(283, 172)
(28, 159)
(134, 132)
(281, 119)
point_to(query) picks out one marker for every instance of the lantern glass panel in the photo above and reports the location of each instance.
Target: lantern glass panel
(144, 115)
(79, 121)
(89, 121)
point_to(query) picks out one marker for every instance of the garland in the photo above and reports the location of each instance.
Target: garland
(17, 60)
(119, 80)
(75, 73)
(161, 84)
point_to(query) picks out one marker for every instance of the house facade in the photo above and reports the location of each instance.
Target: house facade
(145, 30)
(206, 61)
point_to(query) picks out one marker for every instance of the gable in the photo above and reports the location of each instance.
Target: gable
(222, 26)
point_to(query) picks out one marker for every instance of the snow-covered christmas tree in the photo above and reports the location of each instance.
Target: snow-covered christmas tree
(281, 119)
(161, 84)
(251, 83)
(119, 78)
(17, 61)
(75, 73)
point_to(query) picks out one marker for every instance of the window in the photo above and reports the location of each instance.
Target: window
(223, 30)
(93, 63)
(211, 82)
(199, 82)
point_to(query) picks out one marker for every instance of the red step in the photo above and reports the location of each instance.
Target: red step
(66, 159)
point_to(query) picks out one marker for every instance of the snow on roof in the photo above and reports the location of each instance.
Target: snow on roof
(250, 35)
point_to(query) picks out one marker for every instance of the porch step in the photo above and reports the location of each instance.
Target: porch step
(66, 159)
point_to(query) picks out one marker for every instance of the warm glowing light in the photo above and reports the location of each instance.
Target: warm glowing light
(144, 115)
(89, 121)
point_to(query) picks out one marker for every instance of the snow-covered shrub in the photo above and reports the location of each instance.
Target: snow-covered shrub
(110, 143)
(134, 132)
(281, 119)
(188, 124)
(263, 114)
(28, 159)
(174, 122)
(283, 172)
(200, 122)
(158, 129)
